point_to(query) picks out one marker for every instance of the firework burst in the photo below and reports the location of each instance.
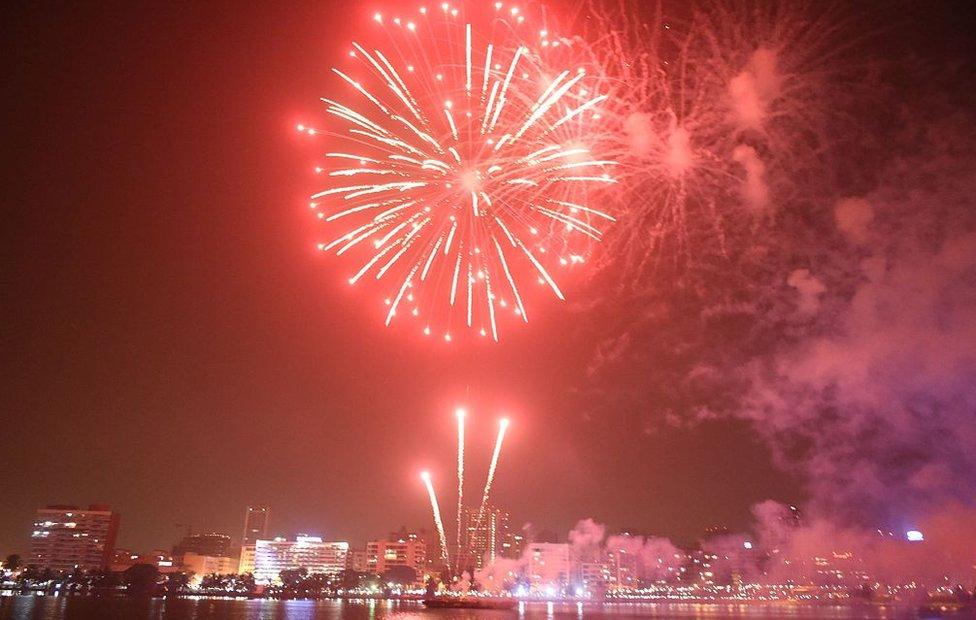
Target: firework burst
(463, 173)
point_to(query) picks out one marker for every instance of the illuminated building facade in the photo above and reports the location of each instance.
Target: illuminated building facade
(160, 558)
(408, 549)
(246, 563)
(548, 567)
(308, 552)
(67, 537)
(490, 539)
(622, 567)
(202, 565)
(358, 561)
(594, 576)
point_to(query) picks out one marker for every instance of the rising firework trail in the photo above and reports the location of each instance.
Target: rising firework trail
(502, 425)
(463, 171)
(435, 508)
(460, 413)
(461, 548)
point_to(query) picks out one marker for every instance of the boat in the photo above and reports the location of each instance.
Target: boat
(468, 602)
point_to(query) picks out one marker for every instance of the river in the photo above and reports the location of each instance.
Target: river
(90, 608)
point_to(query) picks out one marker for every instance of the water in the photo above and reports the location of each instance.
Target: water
(86, 608)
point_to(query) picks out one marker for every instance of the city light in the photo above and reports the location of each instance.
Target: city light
(744, 231)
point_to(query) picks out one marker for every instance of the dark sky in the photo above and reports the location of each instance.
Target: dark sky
(174, 347)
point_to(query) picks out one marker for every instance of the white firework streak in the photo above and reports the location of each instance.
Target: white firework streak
(436, 510)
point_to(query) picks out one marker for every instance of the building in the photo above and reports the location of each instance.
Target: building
(548, 569)
(594, 576)
(308, 552)
(246, 562)
(212, 544)
(490, 539)
(68, 537)
(623, 567)
(513, 544)
(358, 561)
(202, 565)
(256, 520)
(400, 549)
(160, 558)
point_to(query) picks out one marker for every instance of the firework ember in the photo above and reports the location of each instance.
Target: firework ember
(462, 173)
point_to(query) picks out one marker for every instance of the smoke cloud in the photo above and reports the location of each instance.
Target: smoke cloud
(841, 322)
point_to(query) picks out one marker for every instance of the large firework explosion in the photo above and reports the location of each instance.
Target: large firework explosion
(463, 170)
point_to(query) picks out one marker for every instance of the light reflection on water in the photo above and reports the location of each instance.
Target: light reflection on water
(85, 608)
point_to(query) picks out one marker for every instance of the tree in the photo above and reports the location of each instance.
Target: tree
(12, 562)
(293, 577)
(213, 581)
(399, 575)
(293, 582)
(432, 584)
(105, 581)
(176, 583)
(350, 579)
(244, 584)
(141, 579)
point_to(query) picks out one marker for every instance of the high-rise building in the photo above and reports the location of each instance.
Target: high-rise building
(68, 537)
(622, 566)
(487, 540)
(308, 552)
(513, 544)
(400, 549)
(246, 563)
(211, 544)
(548, 566)
(594, 576)
(255, 524)
(358, 560)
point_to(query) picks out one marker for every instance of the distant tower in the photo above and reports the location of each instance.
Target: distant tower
(488, 540)
(255, 524)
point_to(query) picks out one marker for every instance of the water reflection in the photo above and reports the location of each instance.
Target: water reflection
(84, 608)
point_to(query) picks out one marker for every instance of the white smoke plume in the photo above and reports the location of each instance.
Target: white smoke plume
(841, 323)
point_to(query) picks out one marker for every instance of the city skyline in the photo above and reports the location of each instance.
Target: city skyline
(771, 320)
(248, 359)
(409, 493)
(592, 562)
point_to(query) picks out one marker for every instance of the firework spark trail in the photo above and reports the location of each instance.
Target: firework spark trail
(435, 508)
(460, 413)
(664, 125)
(502, 425)
(468, 158)
(715, 114)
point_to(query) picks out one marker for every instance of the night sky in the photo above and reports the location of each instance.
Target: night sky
(174, 346)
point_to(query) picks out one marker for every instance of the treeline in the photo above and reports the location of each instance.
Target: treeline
(147, 580)
(137, 580)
